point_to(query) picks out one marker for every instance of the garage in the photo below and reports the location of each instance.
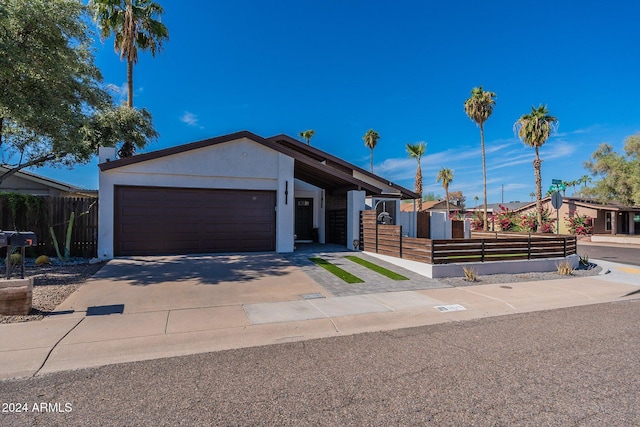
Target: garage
(166, 220)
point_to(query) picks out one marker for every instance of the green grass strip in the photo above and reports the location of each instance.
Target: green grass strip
(344, 275)
(381, 270)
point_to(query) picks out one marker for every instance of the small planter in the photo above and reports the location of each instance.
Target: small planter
(16, 296)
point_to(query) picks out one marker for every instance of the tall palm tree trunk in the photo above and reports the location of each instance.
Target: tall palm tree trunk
(371, 161)
(127, 149)
(538, 177)
(419, 186)
(446, 194)
(129, 84)
(484, 178)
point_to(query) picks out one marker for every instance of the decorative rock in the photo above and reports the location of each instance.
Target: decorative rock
(16, 296)
(43, 259)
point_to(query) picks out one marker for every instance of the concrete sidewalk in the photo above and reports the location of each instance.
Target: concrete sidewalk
(80, 340)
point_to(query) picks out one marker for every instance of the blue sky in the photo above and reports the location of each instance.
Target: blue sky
(403, 68)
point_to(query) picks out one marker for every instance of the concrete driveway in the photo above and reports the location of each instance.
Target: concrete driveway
(143, 284)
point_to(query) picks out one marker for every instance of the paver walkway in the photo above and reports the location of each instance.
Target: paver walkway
(373, 282)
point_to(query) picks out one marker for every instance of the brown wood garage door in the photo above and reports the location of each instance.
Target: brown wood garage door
(161, 221)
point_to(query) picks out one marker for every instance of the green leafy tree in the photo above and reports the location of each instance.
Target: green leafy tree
(534, 129)
(479, 107)
(371, 138)
(445, 176)
(416, 151)
(135, 25)
(430, 197)
(51, 92)
(619, 174)
(584, 180)
(307, 135)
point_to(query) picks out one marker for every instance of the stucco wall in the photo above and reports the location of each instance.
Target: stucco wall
(240, 164)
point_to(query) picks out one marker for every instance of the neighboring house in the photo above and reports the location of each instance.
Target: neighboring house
(234, 193)
(29, 183)
(431, 205)
(609, 218)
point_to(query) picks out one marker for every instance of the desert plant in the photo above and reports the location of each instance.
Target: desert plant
(584, 260)
(564, 268)
(67, 242)
(470, 274)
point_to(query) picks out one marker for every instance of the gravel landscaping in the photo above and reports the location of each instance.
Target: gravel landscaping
(582, 271)
(52, 284)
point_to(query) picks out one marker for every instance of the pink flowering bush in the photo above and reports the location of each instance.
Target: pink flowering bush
(580, 225)
(529, 222)
(507, 220)
(476, 220)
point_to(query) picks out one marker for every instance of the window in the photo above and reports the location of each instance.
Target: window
(607, 221)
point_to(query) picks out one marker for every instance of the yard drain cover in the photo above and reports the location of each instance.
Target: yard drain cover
(312, 296)
(450, 307)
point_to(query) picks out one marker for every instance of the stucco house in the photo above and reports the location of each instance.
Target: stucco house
(234, 193)
(26, 182)
(607, 218)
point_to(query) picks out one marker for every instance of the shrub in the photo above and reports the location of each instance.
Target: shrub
(529, 222)
(507, 220)
(579, 224)
(470, 274)
(564, 268)
(476, 220)
(584, 260)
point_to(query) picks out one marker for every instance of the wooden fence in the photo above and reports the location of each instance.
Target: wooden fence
(38, 214)
(388, 240)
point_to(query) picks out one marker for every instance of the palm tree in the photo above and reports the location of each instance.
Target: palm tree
(307, 135)
(134, 25)
(445, 176)
(475, 199)
(534, 129)
(371, 140)
(416, 151)
(479, 107)
(532, 195)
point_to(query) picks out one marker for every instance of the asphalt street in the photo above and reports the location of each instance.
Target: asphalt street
(624, 254)
(575, 366)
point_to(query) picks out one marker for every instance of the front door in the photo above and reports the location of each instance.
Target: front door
(304, 219)
(624, 223)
